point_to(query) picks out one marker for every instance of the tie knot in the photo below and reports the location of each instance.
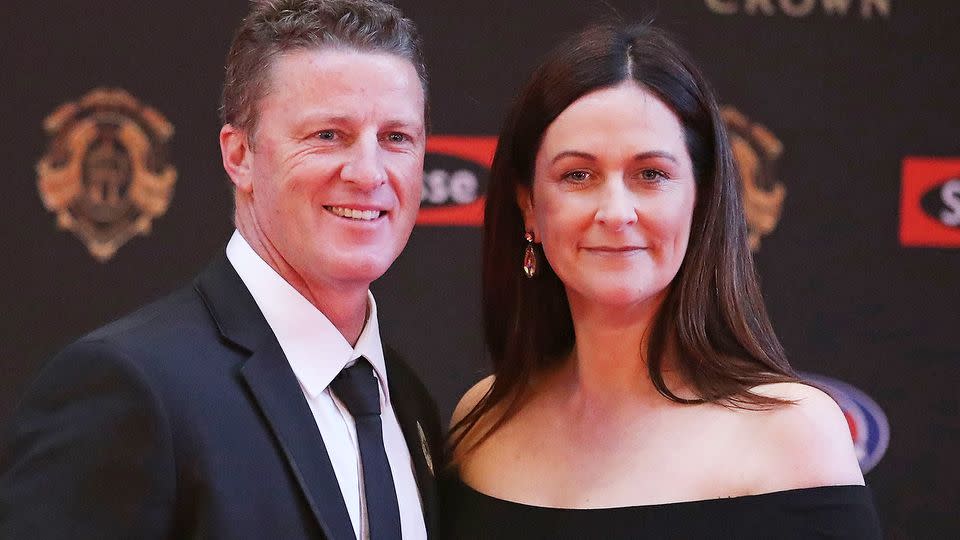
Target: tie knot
(357, 388)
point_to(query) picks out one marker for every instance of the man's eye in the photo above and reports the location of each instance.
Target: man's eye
(326, 135)
(397, 137)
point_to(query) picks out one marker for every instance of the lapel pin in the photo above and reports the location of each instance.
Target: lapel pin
(425, 448)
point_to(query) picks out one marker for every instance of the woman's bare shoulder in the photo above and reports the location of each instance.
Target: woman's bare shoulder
(807, 442)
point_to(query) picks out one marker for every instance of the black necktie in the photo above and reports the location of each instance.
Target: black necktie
(356, 386)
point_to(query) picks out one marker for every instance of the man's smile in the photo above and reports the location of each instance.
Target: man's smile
(354, 213)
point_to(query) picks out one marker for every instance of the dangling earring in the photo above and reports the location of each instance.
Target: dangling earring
(529, 257)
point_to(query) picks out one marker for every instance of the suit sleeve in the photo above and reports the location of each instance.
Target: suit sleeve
(88, 453)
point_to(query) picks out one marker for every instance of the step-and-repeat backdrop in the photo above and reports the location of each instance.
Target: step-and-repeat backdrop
(844, 114)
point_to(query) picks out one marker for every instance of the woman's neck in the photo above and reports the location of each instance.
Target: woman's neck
(608, 364)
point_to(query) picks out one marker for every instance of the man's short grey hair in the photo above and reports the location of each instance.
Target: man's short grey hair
(273, 27)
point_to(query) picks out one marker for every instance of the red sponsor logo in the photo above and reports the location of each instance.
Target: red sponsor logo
(930, 202)
(455, 180)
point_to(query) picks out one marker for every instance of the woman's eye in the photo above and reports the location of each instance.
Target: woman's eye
(577, 176)
(652, 175)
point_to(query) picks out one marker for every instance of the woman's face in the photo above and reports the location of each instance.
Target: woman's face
(613, 197)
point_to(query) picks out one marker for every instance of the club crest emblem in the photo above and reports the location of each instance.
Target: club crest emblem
(105, 174)
(756, 152)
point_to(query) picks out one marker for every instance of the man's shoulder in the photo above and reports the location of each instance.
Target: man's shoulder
(163, 322)
(164, 347)
(163, 338)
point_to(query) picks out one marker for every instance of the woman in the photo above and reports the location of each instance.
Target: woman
(638, 388)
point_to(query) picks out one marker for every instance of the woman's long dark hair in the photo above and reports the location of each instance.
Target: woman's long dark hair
(713, 318)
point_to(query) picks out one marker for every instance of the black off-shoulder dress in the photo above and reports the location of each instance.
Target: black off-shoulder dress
(845, 512)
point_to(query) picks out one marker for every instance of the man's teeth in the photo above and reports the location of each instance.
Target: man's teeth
(365, 215)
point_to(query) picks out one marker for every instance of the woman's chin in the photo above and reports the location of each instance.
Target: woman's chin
(621, 299)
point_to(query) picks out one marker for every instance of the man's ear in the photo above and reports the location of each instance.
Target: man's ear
(237, 157)
(525, 202)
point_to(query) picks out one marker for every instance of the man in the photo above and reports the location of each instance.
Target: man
(259, 402)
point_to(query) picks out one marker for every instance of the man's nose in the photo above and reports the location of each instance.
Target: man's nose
(616, 205)
(364, 164)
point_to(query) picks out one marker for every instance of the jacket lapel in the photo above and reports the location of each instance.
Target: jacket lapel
(419, 447)
(275, 389)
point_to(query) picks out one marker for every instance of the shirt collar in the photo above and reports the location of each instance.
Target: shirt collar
(315, 349)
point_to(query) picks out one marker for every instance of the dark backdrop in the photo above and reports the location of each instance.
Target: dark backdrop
(849, 95)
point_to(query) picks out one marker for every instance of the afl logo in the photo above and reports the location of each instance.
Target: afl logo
(455, 176)
(868, 423)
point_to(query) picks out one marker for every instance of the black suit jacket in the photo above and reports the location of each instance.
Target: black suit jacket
(184, 420)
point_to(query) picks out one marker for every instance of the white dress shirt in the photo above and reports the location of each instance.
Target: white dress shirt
(317, 352)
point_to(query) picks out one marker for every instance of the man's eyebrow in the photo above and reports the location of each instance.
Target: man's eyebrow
(408, 125)
(315, 117)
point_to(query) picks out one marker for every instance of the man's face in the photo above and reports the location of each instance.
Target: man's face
(336, 164)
